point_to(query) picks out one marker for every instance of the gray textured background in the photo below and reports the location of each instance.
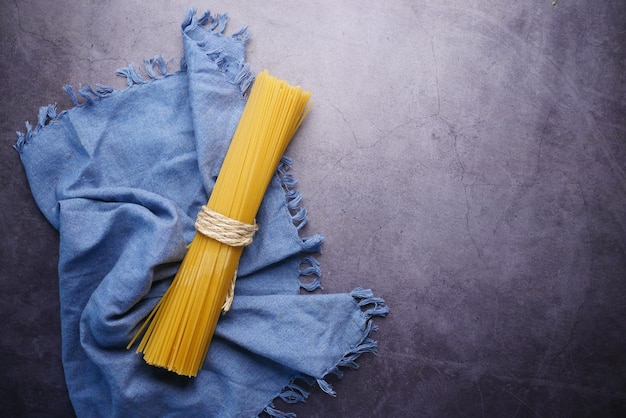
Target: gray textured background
(466, 159)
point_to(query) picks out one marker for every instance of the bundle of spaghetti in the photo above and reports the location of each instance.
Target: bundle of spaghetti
(178, 331)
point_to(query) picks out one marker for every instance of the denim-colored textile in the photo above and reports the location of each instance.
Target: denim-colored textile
(122, 176)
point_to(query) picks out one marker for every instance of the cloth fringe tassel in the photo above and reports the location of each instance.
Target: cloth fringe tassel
(293, 393)
(155, 69)
(309, 266)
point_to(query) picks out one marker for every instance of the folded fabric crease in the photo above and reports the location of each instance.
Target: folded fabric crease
(122, 176)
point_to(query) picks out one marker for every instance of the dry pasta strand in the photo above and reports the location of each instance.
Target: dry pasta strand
(177, 333)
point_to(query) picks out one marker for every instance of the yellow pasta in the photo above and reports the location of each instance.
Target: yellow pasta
(178, 331)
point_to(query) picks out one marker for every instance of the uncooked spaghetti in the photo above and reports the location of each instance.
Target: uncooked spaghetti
(179, 329)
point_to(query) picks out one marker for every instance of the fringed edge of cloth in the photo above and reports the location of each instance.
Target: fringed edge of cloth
(310, 280)
(295, 393)
(156, 68)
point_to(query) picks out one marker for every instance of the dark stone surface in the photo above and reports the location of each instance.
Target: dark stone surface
(465, 159)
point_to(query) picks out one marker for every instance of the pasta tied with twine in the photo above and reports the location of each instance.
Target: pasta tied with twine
(227, 231)
(178, 331)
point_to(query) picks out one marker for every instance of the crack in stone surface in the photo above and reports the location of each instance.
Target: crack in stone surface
(465, 186)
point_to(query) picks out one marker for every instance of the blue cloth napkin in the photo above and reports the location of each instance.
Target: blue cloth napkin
(122, 176)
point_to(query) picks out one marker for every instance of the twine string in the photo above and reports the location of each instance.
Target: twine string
(224, 229)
